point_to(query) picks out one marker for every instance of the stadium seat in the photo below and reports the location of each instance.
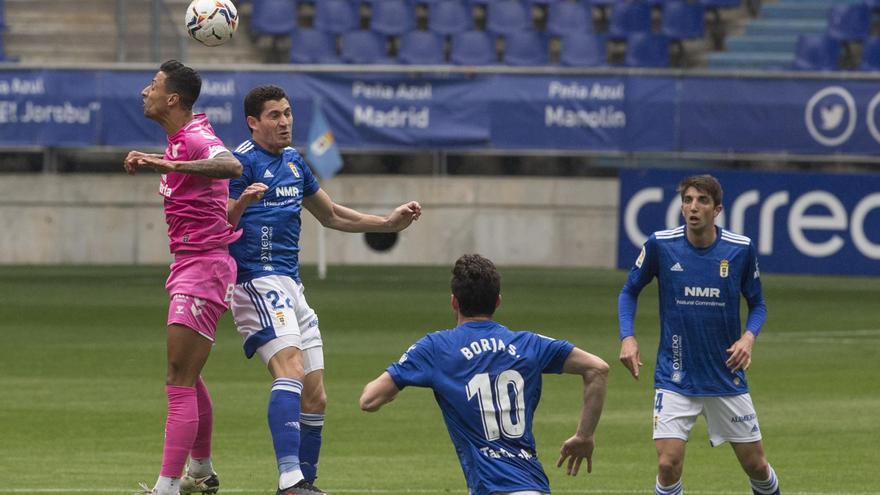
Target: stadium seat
(525, 48)
(311, 46)
(449, 17)
(583, 50)
(849, 22)
(421, 47)
(871, 55)
(392, 17)
(816, 52)
(647, 50)
(564, 18)
(472, 48)
(683, 20)
(364, 47)
(336, 16)
(628, 17)
(273, 17)
(721, 4)
(507, 16)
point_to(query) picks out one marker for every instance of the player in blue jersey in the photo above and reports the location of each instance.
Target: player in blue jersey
(487, 382)
(268, 305)
(704, 353)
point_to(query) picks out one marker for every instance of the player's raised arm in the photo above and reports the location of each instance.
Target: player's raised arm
(338, 217)
(595, 374)
(378, 392)
(222, 166)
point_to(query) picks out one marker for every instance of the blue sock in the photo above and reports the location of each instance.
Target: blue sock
(284, 418)
(310, 446)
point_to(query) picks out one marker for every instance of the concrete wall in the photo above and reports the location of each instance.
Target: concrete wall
(103, 219)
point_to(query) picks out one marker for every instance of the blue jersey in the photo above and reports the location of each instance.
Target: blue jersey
(699, 308)
(270, 242)
(487, 382)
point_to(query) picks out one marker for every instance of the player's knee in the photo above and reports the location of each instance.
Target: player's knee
(669, 469)
(757, 468)
(314, 402)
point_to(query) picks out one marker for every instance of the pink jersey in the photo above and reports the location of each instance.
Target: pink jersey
(195, 206)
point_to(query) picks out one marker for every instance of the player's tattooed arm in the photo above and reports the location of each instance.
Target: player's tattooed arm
(222, 166)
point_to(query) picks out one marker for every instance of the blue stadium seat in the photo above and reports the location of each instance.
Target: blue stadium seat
(849, 22)
(568, 17)
(392, 17)
(583, 50)
(312, 46)
(472, 48)
(873, 4)
(507, 16)
(871, 54)
(721, 4)
(647, 50)
(336, 16)
(816, 52)
(449, 17)
(421, 47)
(525, 48)
(364, 47)
(683, 20)
(628, 17)
(273, 17)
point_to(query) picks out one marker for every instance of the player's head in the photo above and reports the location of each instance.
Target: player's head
(175, 86)
(701, 197)
(269, 117)
(476, 286)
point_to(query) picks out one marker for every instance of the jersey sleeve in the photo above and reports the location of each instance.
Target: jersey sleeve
(238, 184)
(203, 144)
(753, 293)
(643, 271)
(552, 352)
(414, 366)
(310, 182)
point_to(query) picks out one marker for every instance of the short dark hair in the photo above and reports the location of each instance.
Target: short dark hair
(184, 81)
(703, 183)
(257, 97)
(476, 284)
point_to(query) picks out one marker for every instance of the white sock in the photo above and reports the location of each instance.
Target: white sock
(167, 486)
(199, 468)
(289, 478)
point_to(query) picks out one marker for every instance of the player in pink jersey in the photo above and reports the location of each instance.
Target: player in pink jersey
(196, 169)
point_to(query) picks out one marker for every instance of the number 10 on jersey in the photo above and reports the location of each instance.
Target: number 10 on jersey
(495, 402)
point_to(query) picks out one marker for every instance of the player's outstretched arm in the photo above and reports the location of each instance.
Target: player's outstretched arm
(378, 392)
(235, 207)
(222, 166)
(338, 217)
(595, 374)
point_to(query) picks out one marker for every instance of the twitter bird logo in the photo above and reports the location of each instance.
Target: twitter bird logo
(831, 116)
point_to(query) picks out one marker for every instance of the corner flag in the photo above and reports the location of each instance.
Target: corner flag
(323, 154)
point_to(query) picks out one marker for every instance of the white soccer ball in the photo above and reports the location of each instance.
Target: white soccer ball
(211, 22)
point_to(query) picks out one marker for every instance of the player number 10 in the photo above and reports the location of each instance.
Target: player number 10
(512, 424)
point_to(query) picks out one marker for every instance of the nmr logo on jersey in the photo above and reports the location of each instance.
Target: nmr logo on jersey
(797, 222)
(702, 292)
(287, 191)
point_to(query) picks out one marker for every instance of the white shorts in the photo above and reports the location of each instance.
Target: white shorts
(271, 313)
(730, 418)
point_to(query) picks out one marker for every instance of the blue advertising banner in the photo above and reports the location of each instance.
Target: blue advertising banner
(799, 222)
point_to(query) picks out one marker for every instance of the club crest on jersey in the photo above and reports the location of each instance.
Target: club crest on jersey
(293, 169)
(641, 258)
(723, 268)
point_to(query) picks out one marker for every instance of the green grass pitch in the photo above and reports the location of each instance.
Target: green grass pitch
(82, 370)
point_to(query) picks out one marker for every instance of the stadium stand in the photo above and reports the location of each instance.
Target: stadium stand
(473, 48)
(628, 18)
(525, 48)
(849, 22)
(392, 17)
(336, 16)
(364, 47)
(816, 52)
(311, 46)
(565, 18)
(273, 17)
(507, 17)
(871, 55)
(421, 47)
(647, 50)
(449, 17)
(583, 50)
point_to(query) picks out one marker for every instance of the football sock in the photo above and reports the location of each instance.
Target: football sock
(201, 448)
(167, 486)
(199, 468)
(768, 487)
(674, 489)
(310, 446)
(180, 429)
(284, 424)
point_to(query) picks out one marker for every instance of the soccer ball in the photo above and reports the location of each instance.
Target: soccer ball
(211, 22)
